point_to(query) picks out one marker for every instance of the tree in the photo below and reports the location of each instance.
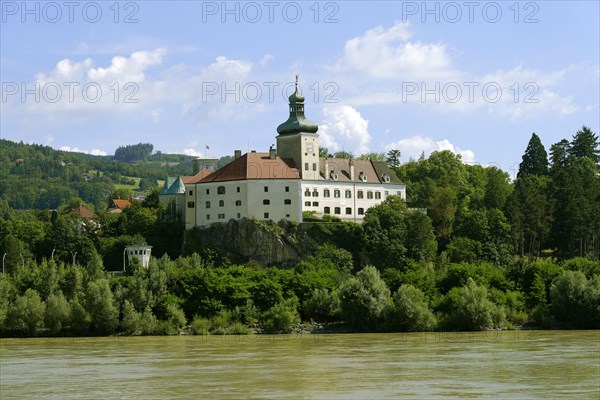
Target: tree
(576, 300)
(471, 309)
(282, 316)
(27, 313)
(58, 313)
(410, 311)
(147, 184)
(364, 298)
(585, 143)
(323, 152)
(373, 156)
(393, 158)
(134, 152)
(535, 159)
(100, 305)
(343, 154)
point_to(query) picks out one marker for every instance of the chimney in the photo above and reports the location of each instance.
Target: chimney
(237, 154)
(351, 169)
(326, 168)
(272, 153)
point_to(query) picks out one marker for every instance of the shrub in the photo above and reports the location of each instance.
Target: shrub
(410, 311)
(282, 316)
(322, 306)
(131, 319)
(58, 313)
(27, 313)
(575, 300)
(199, 325)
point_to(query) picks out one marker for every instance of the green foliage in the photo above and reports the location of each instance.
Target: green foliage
(282, 316)
(535, 159)
(470, 309)
(200, 326)
(130, 322)
(58, 313)
(576, 300)
(100, 305)
(410, 311)
(364, 298)
(26, 315)
(134, 152)
(322, 306)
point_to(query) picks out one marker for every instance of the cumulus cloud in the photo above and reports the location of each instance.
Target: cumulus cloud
(191, 152)
(343, 128)
(94, 152)
(414, 146)
(389, 53)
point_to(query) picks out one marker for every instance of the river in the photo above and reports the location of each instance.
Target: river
(509, 364)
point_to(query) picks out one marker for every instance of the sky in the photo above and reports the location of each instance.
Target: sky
(206, 78)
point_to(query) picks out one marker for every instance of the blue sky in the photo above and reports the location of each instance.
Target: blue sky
(473, 77)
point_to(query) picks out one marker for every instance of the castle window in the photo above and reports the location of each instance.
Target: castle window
(191, 192)
(307, 203)
(386, 194)
(221, 216)
(336, 193)
(287, 189)
(315, 204)
(238, 203)
(221, 203)
(378, 195)
(361, 211)
(208, 204)
(306, 166)
(266, 189)
(348, 211)
(287, 201)
(266, 202)
(326, 193)
(315, 193)
(239, 215)
(238, 189)
(399, 193)
(207, 217)
(307, 193)
(369, 195)
(337, 211)
(190, 204)
(221, 190)
(327, 210)
(207, 191)
(314, 166)
(359, 194)
(348, 194)
(266, 215)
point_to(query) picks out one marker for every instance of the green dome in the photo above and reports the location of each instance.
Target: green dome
(297, 122)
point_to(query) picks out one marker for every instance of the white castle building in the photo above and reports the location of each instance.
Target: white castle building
(283, 182)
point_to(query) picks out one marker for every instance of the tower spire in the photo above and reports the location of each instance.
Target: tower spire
(297, 122)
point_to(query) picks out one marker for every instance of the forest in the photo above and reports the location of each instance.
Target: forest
(490, 253)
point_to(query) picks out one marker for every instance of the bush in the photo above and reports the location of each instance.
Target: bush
(148, 322)
(199, 325)
(364, 298)
(471, 310)
(131, 320)
(410, 311)
(27, 313)
(58, 313)
(575, 300)
(322, 306)
(282, 316)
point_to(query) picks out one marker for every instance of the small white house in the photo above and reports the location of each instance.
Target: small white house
(140, 251)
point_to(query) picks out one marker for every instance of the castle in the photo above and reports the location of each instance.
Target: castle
(283, 182)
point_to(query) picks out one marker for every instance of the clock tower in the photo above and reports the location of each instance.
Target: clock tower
(298, 139)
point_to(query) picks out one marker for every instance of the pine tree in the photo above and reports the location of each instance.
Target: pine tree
(585, 144)
(535, 159)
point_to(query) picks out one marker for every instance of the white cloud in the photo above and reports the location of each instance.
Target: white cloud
(389, 53)
(343, 128)
(414, 146)
(191, 152)
(94, 152)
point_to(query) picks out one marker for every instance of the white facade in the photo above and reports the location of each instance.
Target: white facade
(139, 251)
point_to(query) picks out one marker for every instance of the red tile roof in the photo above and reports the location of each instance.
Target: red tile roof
(83, 211)
(121, 204)
(254, 166)
(196, 178)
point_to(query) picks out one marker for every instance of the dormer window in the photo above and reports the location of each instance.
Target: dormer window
(385, 178)
(362, 177)
(334, 176)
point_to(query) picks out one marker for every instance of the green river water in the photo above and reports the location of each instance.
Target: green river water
(502, 365)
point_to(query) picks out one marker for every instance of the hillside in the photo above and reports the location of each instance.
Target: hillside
(40, 177)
